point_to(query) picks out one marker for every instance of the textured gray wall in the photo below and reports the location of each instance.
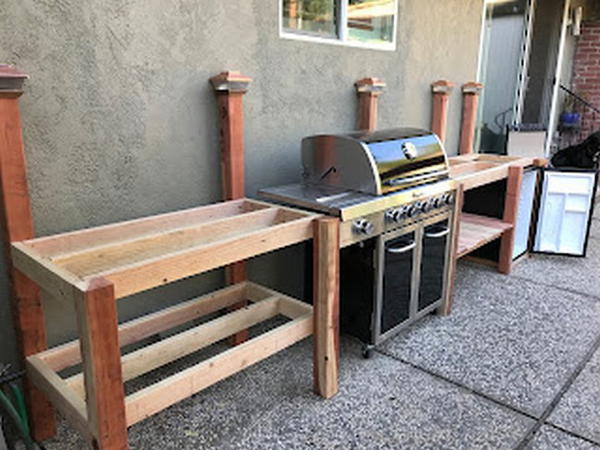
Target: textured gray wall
(119, 118)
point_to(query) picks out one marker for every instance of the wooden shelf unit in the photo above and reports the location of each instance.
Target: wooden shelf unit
(475, 231)
(94, 267)
(475, 170)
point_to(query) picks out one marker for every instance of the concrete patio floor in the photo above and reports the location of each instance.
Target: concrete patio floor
(517, 365)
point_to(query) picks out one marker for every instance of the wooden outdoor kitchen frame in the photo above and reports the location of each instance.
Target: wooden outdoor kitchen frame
(474, 230)
(92, 268)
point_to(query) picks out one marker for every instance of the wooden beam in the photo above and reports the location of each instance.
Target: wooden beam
(511, 211)
(471, 92)
(326, 268)
(69, 354)
(66, 400)
(74, 241)
(441, 90)
(368, 90)
(446, 307)
(182, 344)
(175, 266)
(17, 224)
(230, 88)
(169, 391)
(90, 261)
(97, 322)
(54, 279)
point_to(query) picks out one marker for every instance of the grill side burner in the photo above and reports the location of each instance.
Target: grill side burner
(395, 200)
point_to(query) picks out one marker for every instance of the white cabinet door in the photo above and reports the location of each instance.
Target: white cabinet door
(565, 208)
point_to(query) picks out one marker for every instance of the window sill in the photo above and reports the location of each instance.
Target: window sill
(389, 47)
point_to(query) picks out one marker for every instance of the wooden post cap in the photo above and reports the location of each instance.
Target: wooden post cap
(230, 81)
(11, 80)
(442, 87)
(472, 88)
(372, 85)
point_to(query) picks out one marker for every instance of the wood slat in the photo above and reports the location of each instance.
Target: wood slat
(68, 354)
(171, 390)
(65, 399)
(75, 241)
(288, 306)
(147, 274)
(52, 278)
(92, 261)
(185, 343)
(476, 231)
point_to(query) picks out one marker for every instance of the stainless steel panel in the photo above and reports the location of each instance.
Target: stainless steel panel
(346, 204)
(375, 162)
(339, 161)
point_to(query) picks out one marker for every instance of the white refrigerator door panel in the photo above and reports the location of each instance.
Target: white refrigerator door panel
(565, 209)
(523, 223)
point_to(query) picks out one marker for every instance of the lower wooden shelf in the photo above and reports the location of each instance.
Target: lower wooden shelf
(475, 231)
(68, 395)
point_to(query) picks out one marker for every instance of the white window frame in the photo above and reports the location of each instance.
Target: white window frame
(342, 39)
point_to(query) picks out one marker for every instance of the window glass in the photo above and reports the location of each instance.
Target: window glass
(371, 21)
(310, 16)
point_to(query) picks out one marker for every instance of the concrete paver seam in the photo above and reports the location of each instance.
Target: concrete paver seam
(562, 391)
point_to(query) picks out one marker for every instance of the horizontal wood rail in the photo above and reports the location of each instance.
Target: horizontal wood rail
(68, 395)
(144, 258)
(171, 390)
(175, 347)
(66, 400)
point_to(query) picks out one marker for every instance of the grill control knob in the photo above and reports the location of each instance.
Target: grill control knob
(412, 210)
(395, 214)
(438, 201)
(428, 205)
(363, 226)
(448, 199)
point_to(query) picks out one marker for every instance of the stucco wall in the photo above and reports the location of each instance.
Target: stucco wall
(119, 117)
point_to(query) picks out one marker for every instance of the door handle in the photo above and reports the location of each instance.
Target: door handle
(439, 234)
(404, 249)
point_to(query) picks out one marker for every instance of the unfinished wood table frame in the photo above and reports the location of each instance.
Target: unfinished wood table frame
(475, 230)
(94, 267)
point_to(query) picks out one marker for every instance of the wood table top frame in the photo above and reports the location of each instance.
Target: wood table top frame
(94, 267)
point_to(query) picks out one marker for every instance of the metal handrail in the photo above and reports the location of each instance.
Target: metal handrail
(579, 99)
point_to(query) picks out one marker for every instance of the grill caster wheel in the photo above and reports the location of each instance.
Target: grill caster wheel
(367, 351)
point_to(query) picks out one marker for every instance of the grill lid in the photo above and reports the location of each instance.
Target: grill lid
(375, 162)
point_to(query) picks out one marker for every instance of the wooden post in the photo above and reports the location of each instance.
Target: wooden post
(230, 88)
(326, 306)
(511, 210)
(368, 90)
(17, 224)
(471, 92)
(99, 340)
(459, 198)
(439, 118)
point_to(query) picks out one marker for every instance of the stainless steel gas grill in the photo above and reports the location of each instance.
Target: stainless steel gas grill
(392, 192)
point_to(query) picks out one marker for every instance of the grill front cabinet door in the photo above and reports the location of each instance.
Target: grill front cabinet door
(397, 281)
(433, 263)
